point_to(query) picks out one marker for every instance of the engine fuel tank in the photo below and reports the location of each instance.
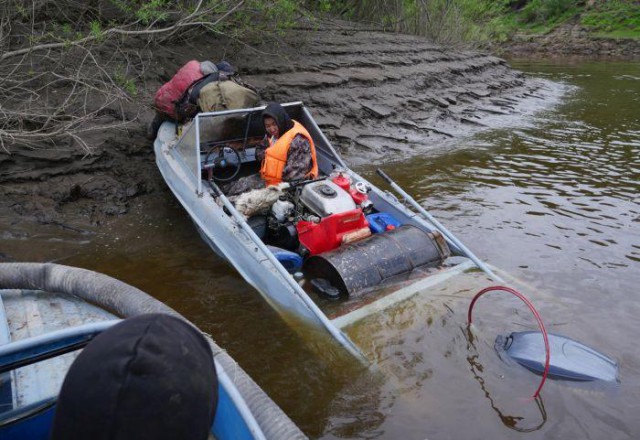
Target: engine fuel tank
(325, 198)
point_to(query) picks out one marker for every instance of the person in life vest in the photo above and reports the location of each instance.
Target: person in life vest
(290, 153)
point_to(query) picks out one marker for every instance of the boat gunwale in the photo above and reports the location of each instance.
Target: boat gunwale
(118, 298)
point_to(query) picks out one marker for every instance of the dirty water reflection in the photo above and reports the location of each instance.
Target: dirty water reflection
(553, 201)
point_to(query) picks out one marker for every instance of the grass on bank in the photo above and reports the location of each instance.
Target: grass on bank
(614, 19)
(606, 19)
(480, 21)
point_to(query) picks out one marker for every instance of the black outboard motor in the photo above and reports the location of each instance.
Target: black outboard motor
(282, 230)
(284, 235)
(366, 263)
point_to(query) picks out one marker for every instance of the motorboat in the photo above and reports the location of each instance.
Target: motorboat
(325, 252)
(50, 312)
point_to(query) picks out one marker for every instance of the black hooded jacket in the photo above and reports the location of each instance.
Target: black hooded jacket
(280, 115)
(151, 376)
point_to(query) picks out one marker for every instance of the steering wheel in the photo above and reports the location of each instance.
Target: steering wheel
(222, 163)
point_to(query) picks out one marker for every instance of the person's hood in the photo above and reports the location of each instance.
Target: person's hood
(150, 376)
(280, 115)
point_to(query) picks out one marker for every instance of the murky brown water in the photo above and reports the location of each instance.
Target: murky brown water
(552, 200)
(555, 203)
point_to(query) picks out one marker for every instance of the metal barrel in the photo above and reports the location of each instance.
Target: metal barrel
(368, 262)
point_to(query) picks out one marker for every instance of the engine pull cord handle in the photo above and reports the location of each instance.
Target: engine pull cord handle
(535, 314)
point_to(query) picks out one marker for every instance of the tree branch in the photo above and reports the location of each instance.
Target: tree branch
(121, 31)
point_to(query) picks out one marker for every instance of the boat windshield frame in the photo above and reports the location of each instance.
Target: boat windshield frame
(187, 150)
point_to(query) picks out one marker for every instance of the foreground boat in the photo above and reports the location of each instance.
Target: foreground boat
(360, 248)
(49, 312)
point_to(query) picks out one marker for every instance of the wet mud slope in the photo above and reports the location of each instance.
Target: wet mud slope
(388, 96)
(376, 95)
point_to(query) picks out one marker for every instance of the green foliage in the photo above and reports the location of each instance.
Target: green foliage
(146, 11)
(615, 18)
(22, 11)
(127, 84)
(450, 21)
(326, 5)
(96, 30)
(281, 13)
(498, 29)
(343, 8)
(151, 11)
(259, 19)
(547, 11)
(285, 11)
(481, 19)
(125, 6)
(478, 21)
(483, 9)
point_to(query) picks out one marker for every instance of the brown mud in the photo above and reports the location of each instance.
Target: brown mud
(378, 96)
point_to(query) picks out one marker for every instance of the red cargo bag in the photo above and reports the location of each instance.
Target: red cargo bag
(172, 91)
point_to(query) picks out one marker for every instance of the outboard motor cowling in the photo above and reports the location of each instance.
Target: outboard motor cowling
(324, 198)
(569, 359)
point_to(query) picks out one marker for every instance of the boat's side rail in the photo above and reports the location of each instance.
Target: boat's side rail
(340, 337)
(29, 351)
(39, 348)
(127, 301)
(388, 202)
(422, 285)
(110, 294)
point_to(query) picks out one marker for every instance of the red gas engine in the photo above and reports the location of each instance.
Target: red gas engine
(340, 218)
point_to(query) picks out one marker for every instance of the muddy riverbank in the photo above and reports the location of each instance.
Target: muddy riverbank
(378, 96)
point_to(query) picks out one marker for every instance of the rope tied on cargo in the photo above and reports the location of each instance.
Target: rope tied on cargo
(535, 314)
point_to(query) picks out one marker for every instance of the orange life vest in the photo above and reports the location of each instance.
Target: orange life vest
(275, 157)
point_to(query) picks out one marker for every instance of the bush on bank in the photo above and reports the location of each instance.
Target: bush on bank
(479, 21)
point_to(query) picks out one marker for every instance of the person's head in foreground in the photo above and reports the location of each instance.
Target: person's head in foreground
(148, 377)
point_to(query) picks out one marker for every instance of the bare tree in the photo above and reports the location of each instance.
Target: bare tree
(68, 68)
(440, 20)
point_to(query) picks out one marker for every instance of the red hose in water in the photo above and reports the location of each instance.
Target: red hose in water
(535, 313)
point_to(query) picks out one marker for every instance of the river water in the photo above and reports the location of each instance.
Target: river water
(552, 200)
